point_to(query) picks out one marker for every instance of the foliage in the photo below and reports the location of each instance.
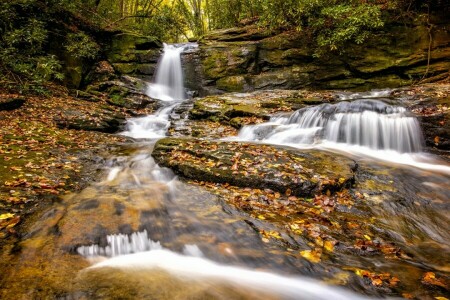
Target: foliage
(81, 45)
(27, 32)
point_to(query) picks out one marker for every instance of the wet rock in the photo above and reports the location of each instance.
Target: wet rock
(301, 173)
(11, 103)
(431, 104)
(262, 105)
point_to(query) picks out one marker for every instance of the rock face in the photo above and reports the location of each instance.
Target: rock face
(246, 59)
(431, 106)
(134, 54)
(300, 173)
(232, 108)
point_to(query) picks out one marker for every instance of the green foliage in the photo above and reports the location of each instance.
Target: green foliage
(30, 44)
(81, 45)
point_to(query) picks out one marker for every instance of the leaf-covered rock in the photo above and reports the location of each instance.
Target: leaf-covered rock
(297, 172)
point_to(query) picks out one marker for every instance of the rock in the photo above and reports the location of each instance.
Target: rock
(247, 58)
(128, 92)
(84, 96)
(100, 120)
(248, 33)
(134, 54)
(431, 105)
(296, 172)
(11, 103)
(261, 104)
(102, 71)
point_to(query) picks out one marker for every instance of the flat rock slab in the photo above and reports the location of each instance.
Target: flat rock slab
(301, 173)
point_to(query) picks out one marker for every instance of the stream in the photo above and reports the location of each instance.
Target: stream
(142, 232)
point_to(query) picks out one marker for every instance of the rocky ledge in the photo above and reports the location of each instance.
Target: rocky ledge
(238, 109)
(292, 172)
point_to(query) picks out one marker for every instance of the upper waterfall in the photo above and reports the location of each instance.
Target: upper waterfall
(169, 84)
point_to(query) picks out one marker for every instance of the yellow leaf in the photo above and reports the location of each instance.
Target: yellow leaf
(311, 255)
(329, 246)
(6, 216)
(367, 237)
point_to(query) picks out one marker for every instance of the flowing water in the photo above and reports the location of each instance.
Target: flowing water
(141, 232)
(364, 126)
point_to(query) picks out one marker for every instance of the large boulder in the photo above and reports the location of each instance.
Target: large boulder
(126, 91)
(296, 172)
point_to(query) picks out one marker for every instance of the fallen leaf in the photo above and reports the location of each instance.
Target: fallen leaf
(311, 255)
(6, 216)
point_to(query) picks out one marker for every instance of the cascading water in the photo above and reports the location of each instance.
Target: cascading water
(169, 88)
(151, 126)
(366, 126)
(168, 85)
(368, 123)
(137, 251)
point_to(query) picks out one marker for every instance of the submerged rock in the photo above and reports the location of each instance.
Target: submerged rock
(296, 172)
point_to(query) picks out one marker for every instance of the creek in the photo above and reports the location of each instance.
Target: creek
(143, 232)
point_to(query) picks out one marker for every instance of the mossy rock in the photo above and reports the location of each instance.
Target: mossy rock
(260, 104)
(224, 60)
(301, 173)
(146, 69)
(84, 95)
(134, 41)
(232, 84)
(125, 68)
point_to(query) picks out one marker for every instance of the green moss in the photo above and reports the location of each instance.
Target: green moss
(232, 83)
(125, 68)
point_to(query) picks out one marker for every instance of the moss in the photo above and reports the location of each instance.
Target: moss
(232, 84)
(117, 100)
(125, 68)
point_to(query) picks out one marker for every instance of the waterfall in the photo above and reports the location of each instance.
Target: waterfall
(169, 88)
(367, 123)
(169, 85)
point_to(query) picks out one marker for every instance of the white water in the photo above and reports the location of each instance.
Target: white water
(169, 88)
(152, 126)
(169, 85)
(138, 252)
(361, 127)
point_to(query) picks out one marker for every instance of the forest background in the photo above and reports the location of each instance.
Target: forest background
(32, 31)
